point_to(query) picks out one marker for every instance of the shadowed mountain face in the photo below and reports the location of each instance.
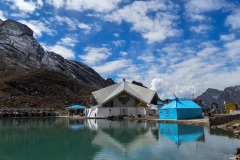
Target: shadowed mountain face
(26, 70)
(229, 95)
(20, 51)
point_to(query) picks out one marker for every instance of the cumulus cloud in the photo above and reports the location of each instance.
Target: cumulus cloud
(56, 3)
(116, 35)
(146, 57)
(204, 6)
(227, 37)
(72, 23)
(233, 49)
(68, 41)
(233, 20)
(195, 10)
(111, 67)
(154, 29)
(25, 6)
(59, 49)
(2, 17)
(85, 27)
(209, 67)
(118, 43)
(95, 55)
(82, 5)
(200, 29)
(38, 27)
(122, 53)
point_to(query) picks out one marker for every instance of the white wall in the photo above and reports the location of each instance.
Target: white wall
(103, 112)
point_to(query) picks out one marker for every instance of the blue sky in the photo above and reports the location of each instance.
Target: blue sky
(178, 46)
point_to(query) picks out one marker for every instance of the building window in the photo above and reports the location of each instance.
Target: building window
(108, 104)
(123, 99)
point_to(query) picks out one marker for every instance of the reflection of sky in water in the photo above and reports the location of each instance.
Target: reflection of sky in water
(101, 139)
(185, 142)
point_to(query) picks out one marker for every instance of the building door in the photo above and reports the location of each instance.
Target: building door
(123, 111)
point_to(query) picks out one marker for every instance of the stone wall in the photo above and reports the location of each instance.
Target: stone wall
(213, 121)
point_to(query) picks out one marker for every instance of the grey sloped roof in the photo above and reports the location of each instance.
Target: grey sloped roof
(141, 93)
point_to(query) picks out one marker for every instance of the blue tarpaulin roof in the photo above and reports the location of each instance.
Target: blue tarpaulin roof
(176, 103)
(76, 107)
(159, 102)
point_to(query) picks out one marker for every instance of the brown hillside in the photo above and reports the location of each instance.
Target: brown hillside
(41, 88)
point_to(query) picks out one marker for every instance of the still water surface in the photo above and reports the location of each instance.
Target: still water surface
(63, 139)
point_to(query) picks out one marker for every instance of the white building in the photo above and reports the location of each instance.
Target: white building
(120, 99)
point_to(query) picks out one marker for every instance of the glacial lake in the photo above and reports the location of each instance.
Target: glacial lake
(90, 139)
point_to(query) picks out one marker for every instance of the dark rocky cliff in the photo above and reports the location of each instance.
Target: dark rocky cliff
(20, 51)
(228, 95)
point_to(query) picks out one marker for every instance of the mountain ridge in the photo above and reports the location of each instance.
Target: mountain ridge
(21, 50)
(228, 95)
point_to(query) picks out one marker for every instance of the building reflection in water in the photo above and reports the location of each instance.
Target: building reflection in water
(122, 139)
(181, 133)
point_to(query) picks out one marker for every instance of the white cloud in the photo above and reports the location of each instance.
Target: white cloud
(70, 41)
(95, 55)
(20, 15)
(25, 6)
(62, 50)
(201, 29)
(38, 27)
(85, 27)
(233, 20)
(207, 52)
(195, 10)
(203, 67)
(227, 37)
(197, 17)
(81, 5)
(146, 57)
(108, 68)
(131, 72)
(56, 3)
(154, 29)
(118, 43)
(122, 53)
(209, 68)
(2, 17)
(72, 23)
(116, 35)
(233, 50)
(204, 6)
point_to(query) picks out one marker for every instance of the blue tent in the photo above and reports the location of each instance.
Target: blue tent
(180, 109)
(159, 102)
(181, 133)
(76, 107)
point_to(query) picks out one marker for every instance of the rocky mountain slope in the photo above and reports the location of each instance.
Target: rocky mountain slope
(42, 88)
(31, 76)
(20, 51)
(228, 95)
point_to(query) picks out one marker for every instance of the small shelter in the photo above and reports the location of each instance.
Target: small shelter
(76, 109)
(180, 109)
